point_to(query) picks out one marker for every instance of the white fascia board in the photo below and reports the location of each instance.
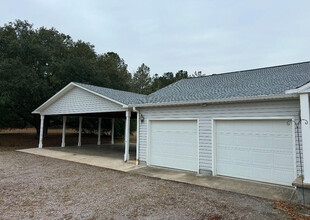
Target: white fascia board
(302, 89)
(217, 101)
(53, 98)
(66, 89)
(102, 96)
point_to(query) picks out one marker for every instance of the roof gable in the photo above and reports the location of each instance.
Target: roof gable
(63, 92)
(80, 101)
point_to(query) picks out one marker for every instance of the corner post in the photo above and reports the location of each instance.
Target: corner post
(99, 132)
(305, 130)
(127, 135)
(80, 131)
(41, 132)
(64, 120)
(137, 138)
(112, 132)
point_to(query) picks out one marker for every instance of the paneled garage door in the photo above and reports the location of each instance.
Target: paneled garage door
(174, 144)
(259, 150)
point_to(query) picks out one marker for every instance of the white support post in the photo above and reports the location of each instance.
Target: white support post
(63, 142)
(112, 132)
(99, 132)
(127, 135)
(125, 132)
(80, 131)
(305, 130)
(137, 138)
(41, 132)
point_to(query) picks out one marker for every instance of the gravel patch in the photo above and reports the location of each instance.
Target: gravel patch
(34, 187)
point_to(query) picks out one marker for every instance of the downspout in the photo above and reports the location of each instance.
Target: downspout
(137, 135)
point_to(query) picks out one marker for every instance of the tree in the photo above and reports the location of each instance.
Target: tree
(197, 74)
(181, 74)
(37, 63)
(166, 79)
(22, 70)
(112, 72)
(141, 81)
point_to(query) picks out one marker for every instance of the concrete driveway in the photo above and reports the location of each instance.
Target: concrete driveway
(111, 157)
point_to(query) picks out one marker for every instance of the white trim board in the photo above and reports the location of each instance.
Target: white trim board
(302, 89)
(53, 98)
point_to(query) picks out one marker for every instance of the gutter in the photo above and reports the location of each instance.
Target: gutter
(218, 101)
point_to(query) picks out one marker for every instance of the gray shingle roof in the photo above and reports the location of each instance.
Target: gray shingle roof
(266, 81)
(257, 82)
(117, 95)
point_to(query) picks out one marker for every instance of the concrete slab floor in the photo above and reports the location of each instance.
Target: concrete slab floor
(105, 156)
(252, 188)
(111, 157)
(104, 150)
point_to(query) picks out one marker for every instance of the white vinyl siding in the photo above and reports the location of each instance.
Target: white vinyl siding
(205, 114)
(78, 101)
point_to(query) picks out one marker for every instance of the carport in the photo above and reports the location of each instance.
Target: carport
(84, 101)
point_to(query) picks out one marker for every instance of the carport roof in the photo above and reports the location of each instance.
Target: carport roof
(117, 95)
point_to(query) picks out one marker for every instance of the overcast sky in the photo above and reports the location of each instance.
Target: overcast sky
(209, 36)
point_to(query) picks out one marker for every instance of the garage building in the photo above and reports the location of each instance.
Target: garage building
(249, 124)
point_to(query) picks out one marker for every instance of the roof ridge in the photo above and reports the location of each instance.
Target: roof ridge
(247, 70)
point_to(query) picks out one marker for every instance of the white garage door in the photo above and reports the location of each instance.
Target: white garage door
(174, 144)
(259, 150)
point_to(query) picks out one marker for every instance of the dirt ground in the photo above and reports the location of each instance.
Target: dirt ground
(34, 187)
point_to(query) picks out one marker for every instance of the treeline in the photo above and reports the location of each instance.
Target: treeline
(36, 63)
(143, 83)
